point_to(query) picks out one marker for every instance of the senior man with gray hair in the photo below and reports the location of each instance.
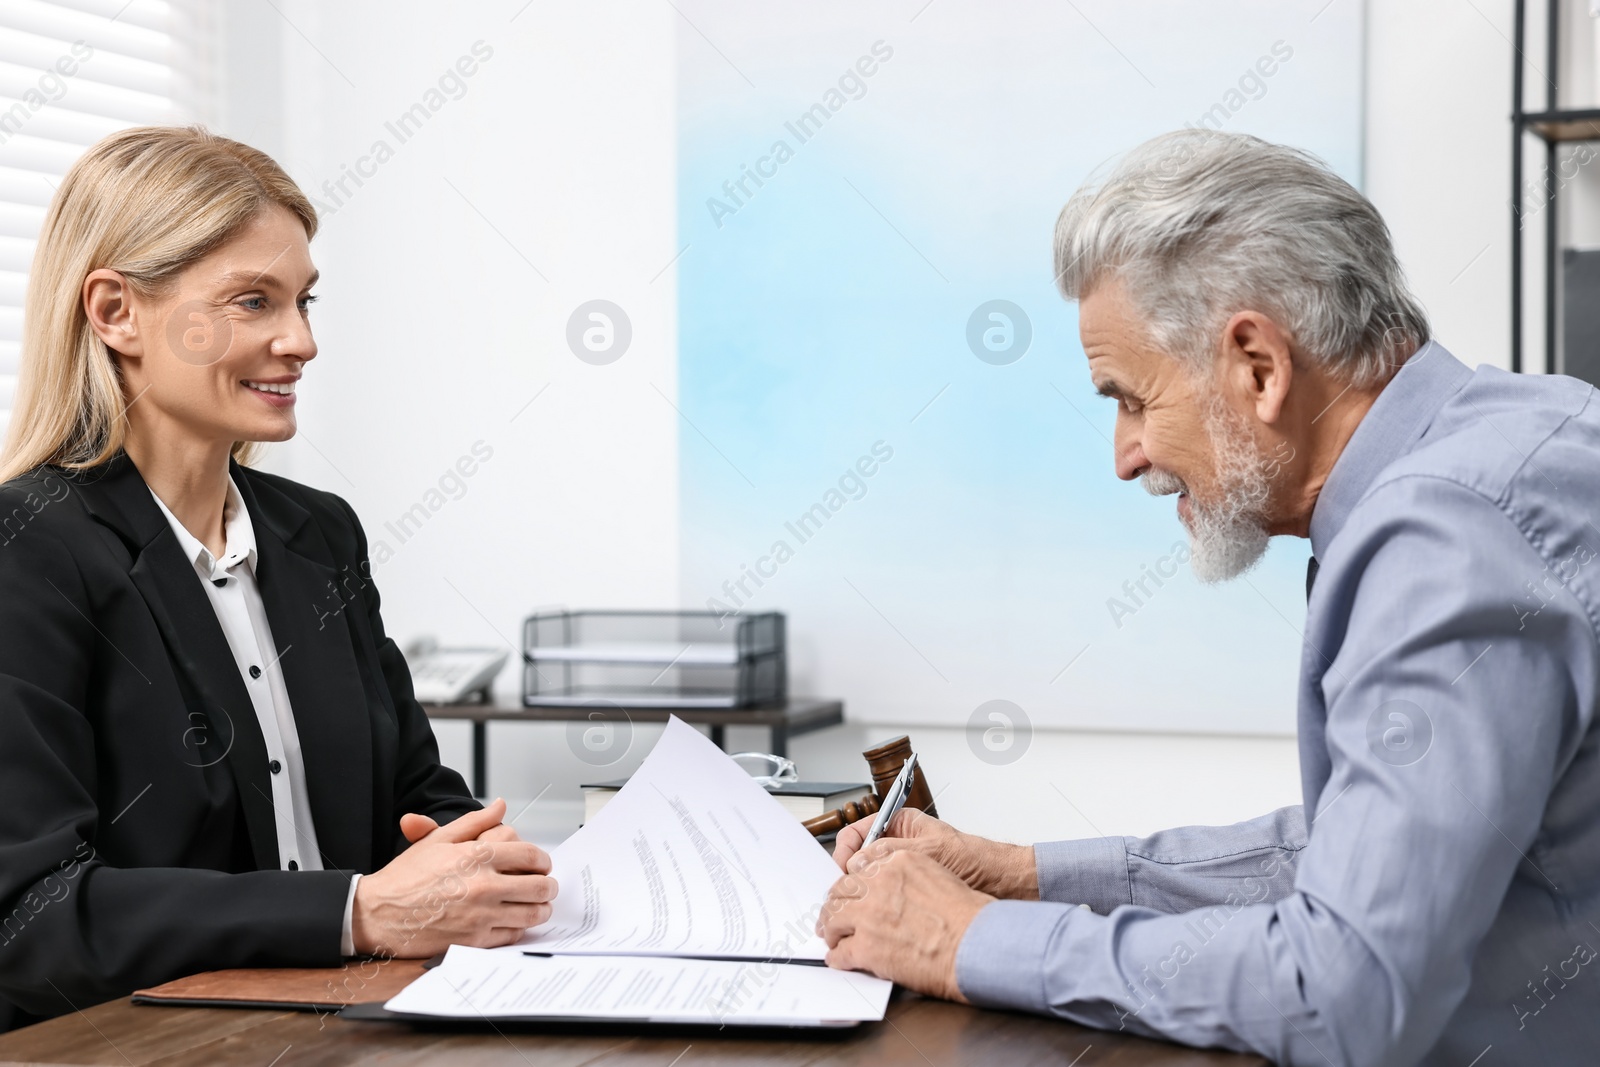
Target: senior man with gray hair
(1436, 897)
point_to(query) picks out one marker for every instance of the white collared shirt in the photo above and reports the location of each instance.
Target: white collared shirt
(230, 584)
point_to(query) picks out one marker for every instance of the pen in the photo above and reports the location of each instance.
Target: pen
(894, 801)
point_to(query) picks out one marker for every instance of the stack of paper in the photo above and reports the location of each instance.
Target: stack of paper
(701, 892)
(475, 983)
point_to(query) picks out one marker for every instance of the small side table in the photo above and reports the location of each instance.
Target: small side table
(800, 715)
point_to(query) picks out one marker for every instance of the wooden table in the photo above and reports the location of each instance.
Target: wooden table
(917, 1033)
(799, 715)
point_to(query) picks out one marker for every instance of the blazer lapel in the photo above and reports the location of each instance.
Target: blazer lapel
(295, 572)
(116, 494)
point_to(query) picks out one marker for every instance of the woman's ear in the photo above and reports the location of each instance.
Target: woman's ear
(108, 303)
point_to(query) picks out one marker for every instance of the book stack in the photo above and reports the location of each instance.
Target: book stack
(803, 800)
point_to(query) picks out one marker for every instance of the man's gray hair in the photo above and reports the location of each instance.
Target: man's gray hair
(1200, 225)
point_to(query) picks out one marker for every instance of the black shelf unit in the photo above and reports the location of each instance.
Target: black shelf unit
(662, 659)
(1554, 126)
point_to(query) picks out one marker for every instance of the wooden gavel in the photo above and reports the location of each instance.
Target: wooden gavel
(885, 763)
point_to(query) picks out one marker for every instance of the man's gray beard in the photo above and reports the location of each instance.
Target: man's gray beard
(1228, 537)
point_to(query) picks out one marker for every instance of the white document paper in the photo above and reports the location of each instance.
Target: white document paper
(475, 983)
(690, 858)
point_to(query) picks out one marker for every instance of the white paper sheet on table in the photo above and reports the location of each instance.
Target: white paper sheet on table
(475, 983)
(691, 858)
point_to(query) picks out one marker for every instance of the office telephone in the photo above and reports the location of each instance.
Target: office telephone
(452, 675)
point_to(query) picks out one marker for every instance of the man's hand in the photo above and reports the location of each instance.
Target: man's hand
(469, 882)
(900, 915)
(992, 867)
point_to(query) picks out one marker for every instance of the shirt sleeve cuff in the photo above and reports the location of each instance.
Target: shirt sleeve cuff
(1000, 962)
(1092, 871)
(347, 940)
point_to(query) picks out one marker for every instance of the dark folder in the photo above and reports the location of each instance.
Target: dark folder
(291, 988)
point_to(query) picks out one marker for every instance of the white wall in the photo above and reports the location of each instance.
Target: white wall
(449, 276)
(1439, 161)
(434, 333)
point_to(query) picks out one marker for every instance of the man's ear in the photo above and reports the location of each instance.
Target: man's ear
(108, 304)
(1258, 363)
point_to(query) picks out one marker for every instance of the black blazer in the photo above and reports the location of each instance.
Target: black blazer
(137, 841)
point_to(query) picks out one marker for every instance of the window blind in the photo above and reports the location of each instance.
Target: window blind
(72, 71)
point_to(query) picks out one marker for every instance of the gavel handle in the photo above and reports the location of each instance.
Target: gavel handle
(831, 822)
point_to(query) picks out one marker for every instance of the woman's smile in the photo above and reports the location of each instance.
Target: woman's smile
(279, 391)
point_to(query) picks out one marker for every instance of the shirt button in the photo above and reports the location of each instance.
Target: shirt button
(219, 582)
(294, 866)
(275, 766)
(255, 672)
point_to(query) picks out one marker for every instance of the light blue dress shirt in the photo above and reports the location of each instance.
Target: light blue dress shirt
(1444, 907)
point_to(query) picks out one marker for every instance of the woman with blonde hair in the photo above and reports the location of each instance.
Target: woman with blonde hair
(206, 738)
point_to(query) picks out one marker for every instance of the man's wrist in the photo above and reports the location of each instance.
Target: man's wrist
(1010, 871)
(1024, 883)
